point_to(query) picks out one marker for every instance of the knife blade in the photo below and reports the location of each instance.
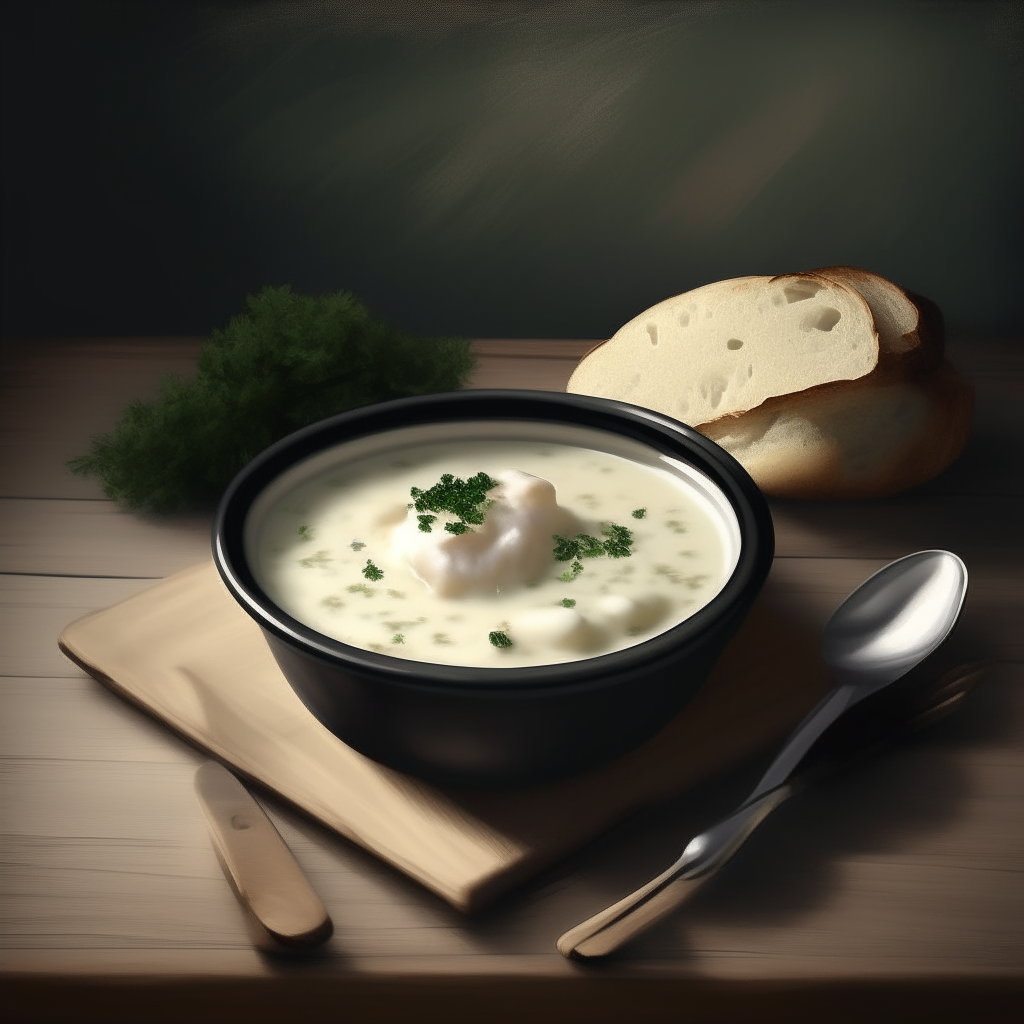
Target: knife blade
(267, 879)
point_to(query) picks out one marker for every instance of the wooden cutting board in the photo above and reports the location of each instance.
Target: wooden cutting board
(186, 653)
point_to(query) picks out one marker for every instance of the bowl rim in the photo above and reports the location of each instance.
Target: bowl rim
(663, 433)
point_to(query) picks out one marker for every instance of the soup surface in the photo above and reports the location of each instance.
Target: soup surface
(580, 552)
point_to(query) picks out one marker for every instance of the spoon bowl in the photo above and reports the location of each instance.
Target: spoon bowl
(895, 619)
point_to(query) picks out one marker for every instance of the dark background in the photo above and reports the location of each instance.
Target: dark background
(501, 169)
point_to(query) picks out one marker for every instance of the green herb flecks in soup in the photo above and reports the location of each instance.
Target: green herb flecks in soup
(519, 533)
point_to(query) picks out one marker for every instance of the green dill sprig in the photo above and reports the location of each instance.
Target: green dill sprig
(500, 639)
(639, 513)
(287, 361)
(371, 572)
(465, 499)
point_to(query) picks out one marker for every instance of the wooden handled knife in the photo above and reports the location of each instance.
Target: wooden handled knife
(264, 874)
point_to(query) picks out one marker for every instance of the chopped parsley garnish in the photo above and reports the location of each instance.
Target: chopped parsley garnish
(499, 639)
(371, 572)
(398, 639)
(316, 561)
(618, 545)
(580, 546)
(694, 582)
(465, 499)
(639, 513)
(568, 602)
(305, 533)
(572, 572)
(619, 541)
(357, 545)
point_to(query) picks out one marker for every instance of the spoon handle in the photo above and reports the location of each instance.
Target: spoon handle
(708, 852)
(703, 857)
(803, 738)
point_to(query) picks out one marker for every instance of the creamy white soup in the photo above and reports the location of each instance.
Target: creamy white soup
(492, 552)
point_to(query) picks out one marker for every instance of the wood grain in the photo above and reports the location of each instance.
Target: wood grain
(892, 891)
(96, 538)
(33, 611)
(56, 394)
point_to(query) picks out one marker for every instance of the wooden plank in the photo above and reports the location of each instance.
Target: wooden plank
(96, 538)
(33, 611)
(55, 395)
(982, 529)
(879, 871)
(540, 365)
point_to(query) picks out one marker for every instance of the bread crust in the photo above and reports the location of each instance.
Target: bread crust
(912, 352)
(814, 444)
(641, 362)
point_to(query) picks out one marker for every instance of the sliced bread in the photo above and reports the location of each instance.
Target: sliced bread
(727, 347)
(910, 332)
(865, 408)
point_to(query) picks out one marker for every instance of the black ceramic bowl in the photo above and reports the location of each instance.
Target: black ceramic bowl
(499, 726)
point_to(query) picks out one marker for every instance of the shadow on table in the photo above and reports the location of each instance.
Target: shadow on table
(792, 866)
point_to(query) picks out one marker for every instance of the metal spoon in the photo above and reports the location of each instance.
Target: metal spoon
(887, 626)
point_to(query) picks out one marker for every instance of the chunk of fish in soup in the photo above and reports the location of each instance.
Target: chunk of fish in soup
(492, 553)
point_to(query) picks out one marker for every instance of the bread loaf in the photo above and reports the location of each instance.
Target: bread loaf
(857, 439)
(828, 384)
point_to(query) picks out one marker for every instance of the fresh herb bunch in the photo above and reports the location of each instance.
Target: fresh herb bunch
(465, 499)
(287, 361)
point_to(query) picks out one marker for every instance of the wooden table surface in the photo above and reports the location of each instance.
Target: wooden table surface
(894, 888)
